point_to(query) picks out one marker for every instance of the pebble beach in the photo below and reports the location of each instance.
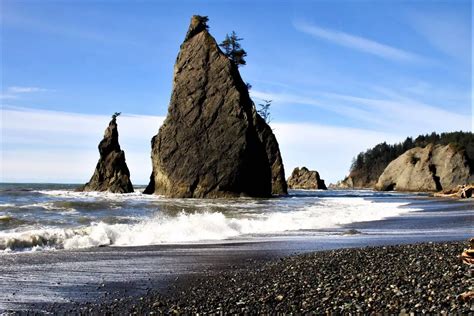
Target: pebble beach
(417, 278)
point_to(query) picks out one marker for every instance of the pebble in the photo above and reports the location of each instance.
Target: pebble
(407, 279)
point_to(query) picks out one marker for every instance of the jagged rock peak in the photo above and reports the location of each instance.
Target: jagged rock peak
(302, 178)
(197, 25)
(111, 173)
(211, 143)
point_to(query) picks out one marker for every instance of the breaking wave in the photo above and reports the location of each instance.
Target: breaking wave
(203, 226)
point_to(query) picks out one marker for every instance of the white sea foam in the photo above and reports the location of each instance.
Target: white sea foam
(205, 226)
(7, 205)
(101, 195)
(50, 206)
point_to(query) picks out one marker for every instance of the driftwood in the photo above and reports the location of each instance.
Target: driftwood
(461, 191)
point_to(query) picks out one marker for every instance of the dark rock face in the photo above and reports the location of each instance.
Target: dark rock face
(111, 173)
(212, 143)
(306, 179)
(266, 136)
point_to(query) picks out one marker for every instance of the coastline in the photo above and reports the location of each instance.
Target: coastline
(420, 278)
(95, 278)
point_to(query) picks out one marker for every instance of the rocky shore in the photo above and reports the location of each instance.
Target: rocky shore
(420, 278)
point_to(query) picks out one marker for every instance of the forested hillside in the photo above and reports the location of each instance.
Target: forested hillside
(367, 167)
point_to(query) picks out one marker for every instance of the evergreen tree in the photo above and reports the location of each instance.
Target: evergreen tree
(264, 110)
(233, 49)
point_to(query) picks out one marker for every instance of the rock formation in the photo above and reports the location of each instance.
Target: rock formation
(306, 179)
(111, 173)
(432, 168)
(212, 142)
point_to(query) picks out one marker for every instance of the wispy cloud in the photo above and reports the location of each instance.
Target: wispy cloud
(394, 112)
(5, 96)
(14, 91)
(358, 43)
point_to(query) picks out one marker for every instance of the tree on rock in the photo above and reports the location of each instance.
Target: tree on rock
(264, 110)
(233, 50)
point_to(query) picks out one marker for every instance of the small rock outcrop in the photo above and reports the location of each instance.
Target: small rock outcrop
(111, 173)
(306, 179)
(212, 143)
(432, 168)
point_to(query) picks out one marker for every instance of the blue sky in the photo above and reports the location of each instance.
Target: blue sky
(343, 76)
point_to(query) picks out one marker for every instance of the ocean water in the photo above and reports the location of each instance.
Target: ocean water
(38, 217)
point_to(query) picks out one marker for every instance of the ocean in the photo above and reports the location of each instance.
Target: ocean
(60, 246)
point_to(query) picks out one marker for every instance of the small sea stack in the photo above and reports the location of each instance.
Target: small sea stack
(111, 173)
(213, 143)
(302, 178)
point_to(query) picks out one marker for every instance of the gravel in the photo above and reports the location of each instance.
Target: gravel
(419, 278)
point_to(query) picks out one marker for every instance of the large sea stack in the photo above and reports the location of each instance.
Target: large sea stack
(111, 173)
(212, 143)
(432, 168)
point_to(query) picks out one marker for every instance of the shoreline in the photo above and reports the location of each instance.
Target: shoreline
(71, 280)
(423, 277)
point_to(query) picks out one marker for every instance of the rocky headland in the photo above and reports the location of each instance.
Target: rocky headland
(432, 168)
(213, 143)
(368, 166)
(428, 163)
(302, 178)
(111, 172)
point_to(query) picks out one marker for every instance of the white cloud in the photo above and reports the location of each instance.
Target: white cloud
(16, 89)
(5, 96)
(14, 92)
(50, 146)
(358, 43)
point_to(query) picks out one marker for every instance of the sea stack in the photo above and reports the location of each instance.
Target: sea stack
(111, 173)
(306, 179)
(432, 168)
(212, 143)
